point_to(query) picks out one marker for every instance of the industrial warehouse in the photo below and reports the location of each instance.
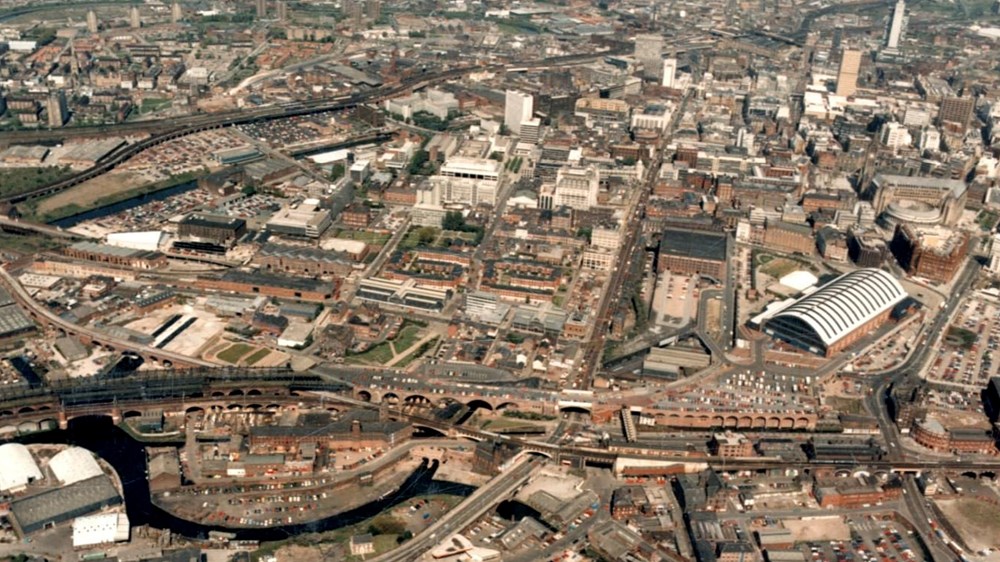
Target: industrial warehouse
(836, 315)
(66, 486)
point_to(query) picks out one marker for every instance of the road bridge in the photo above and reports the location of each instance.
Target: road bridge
(481, 501)
(239, 388)
(90, 336)
(16, 226)
(169, 129)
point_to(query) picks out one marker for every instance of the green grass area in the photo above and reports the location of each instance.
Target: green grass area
(779, 267)
(501, 425)
(30, 209)
(761, 259)
(373, 238)
(385, 543)
(27, 244)
(257, 356)
(417, 353)
(14, 181)
(852, 406)
(407, 337)
(987, 220)
(377, 355)
(152, 105)
(518, 414)
(960, 337)
(322, 541)
(419, 236)
(233, 353)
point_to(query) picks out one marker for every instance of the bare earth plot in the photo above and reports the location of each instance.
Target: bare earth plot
(88, 192)
(977, 522)
(830, 528)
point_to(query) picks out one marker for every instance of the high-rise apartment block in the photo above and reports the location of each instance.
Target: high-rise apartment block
(847, 76)
(518, 109)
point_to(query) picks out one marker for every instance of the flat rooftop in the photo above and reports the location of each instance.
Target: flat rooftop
(698, 245)
(85, 495)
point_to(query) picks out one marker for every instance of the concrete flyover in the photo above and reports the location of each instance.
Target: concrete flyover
(232, 388)
(15, 226)
(481, 501)
(164, 130)
(90, 336)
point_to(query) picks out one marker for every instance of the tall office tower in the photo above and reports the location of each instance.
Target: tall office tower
(957, 110)
(517, 110)
(847, 76)
(282, 10)
(92, 22)
(838, 37)
(261, 9)
(896, 24)
(176, 14)
(374, 8)
(930, 139)
(993, 264)
(649, 51)
(133, 17)
(57, 109)
(669, 72)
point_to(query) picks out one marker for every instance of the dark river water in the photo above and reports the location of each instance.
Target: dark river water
(132, 202)
(128, 457)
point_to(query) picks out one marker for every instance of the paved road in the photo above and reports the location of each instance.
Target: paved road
(481, 501)
(602, 321)
(39, 228)
(877, 401)
(25, 301)
(914, 502)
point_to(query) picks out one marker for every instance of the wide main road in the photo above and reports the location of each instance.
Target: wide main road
(26, 301)
(878, 401)
(481, 501)
(169, 129)
(633, 227)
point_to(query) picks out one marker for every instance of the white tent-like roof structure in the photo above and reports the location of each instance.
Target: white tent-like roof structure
(18, 467)
(799, 280)
(843, 305)
(73, 465)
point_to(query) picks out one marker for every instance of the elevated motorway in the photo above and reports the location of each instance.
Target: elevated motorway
(180, 388)
(42, 315)
(26, 227)
(165, 130)
(481, 501)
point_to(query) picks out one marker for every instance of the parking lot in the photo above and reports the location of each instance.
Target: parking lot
(675, 299)
(293, 130)
(966, 354)
(884, 541)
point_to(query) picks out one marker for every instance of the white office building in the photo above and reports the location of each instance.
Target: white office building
(897, 24)
(576, 188)
(669, 72)
(894, 135)
(518, 108)
(606, 238)
(930, 139)
(472, 168)
(103, 528)
(994, 263)
(465, 191)
(654, 116)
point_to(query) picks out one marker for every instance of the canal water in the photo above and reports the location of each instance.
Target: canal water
(128, 457)
(130, 203)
